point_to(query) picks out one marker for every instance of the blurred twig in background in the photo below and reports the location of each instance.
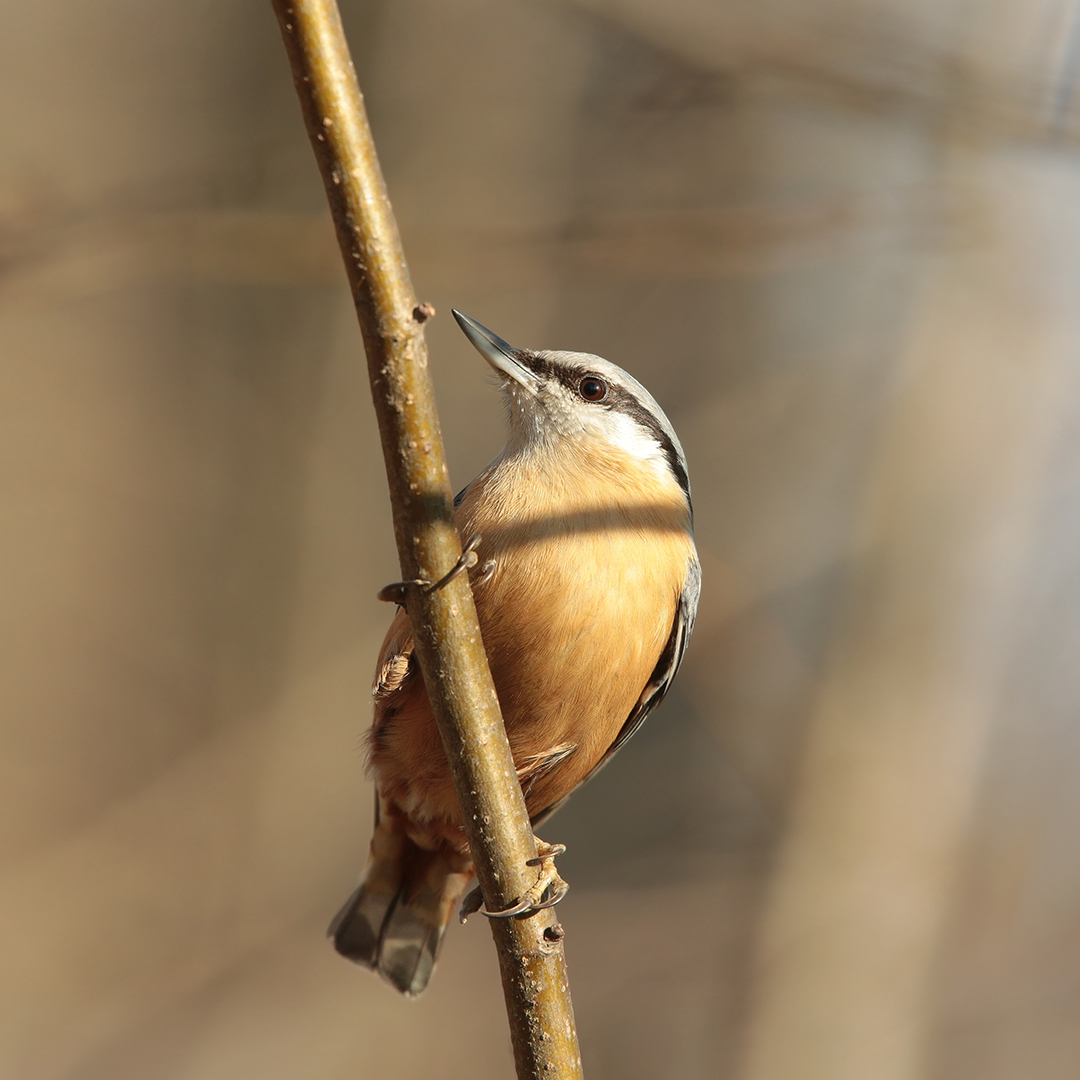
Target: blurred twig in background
(443, 620)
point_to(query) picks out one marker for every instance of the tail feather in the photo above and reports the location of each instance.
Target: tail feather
(395, 920)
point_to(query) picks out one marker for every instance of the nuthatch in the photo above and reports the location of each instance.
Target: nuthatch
(586, 585)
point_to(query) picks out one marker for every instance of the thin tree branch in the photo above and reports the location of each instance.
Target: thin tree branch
(444, 623)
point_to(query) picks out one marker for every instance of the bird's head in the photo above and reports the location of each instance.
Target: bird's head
(559, 396)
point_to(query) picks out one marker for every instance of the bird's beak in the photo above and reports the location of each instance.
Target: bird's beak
(498, 353)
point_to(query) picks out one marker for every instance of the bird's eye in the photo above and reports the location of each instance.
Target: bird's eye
(592, 389)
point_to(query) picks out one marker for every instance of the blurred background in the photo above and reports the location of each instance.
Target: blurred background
(840, 242)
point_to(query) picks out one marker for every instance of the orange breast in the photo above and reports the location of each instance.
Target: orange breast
(591, 553)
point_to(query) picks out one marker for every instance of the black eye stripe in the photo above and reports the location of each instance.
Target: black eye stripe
(624, 402)
(546, 369)
(617, 399)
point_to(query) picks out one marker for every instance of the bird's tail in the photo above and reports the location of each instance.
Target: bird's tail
(395, 920)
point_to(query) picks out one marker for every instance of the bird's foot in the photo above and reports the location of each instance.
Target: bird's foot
(547, 892)
(396, 591)
(484, 573)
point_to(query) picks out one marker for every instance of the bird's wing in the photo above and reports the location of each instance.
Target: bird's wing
(660, 680)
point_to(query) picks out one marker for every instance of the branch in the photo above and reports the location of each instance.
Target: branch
(444, 623)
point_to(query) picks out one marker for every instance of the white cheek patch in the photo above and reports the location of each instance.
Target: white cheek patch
(627, 434)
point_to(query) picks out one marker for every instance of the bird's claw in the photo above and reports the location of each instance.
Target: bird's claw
(485, 572)
(396, 591)
(472, 903)
(546, 852)
(466, 561)
(547, 892)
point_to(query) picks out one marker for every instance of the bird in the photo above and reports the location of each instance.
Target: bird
(586, 582)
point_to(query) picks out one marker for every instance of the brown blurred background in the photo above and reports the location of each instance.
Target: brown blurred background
(840, 241)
